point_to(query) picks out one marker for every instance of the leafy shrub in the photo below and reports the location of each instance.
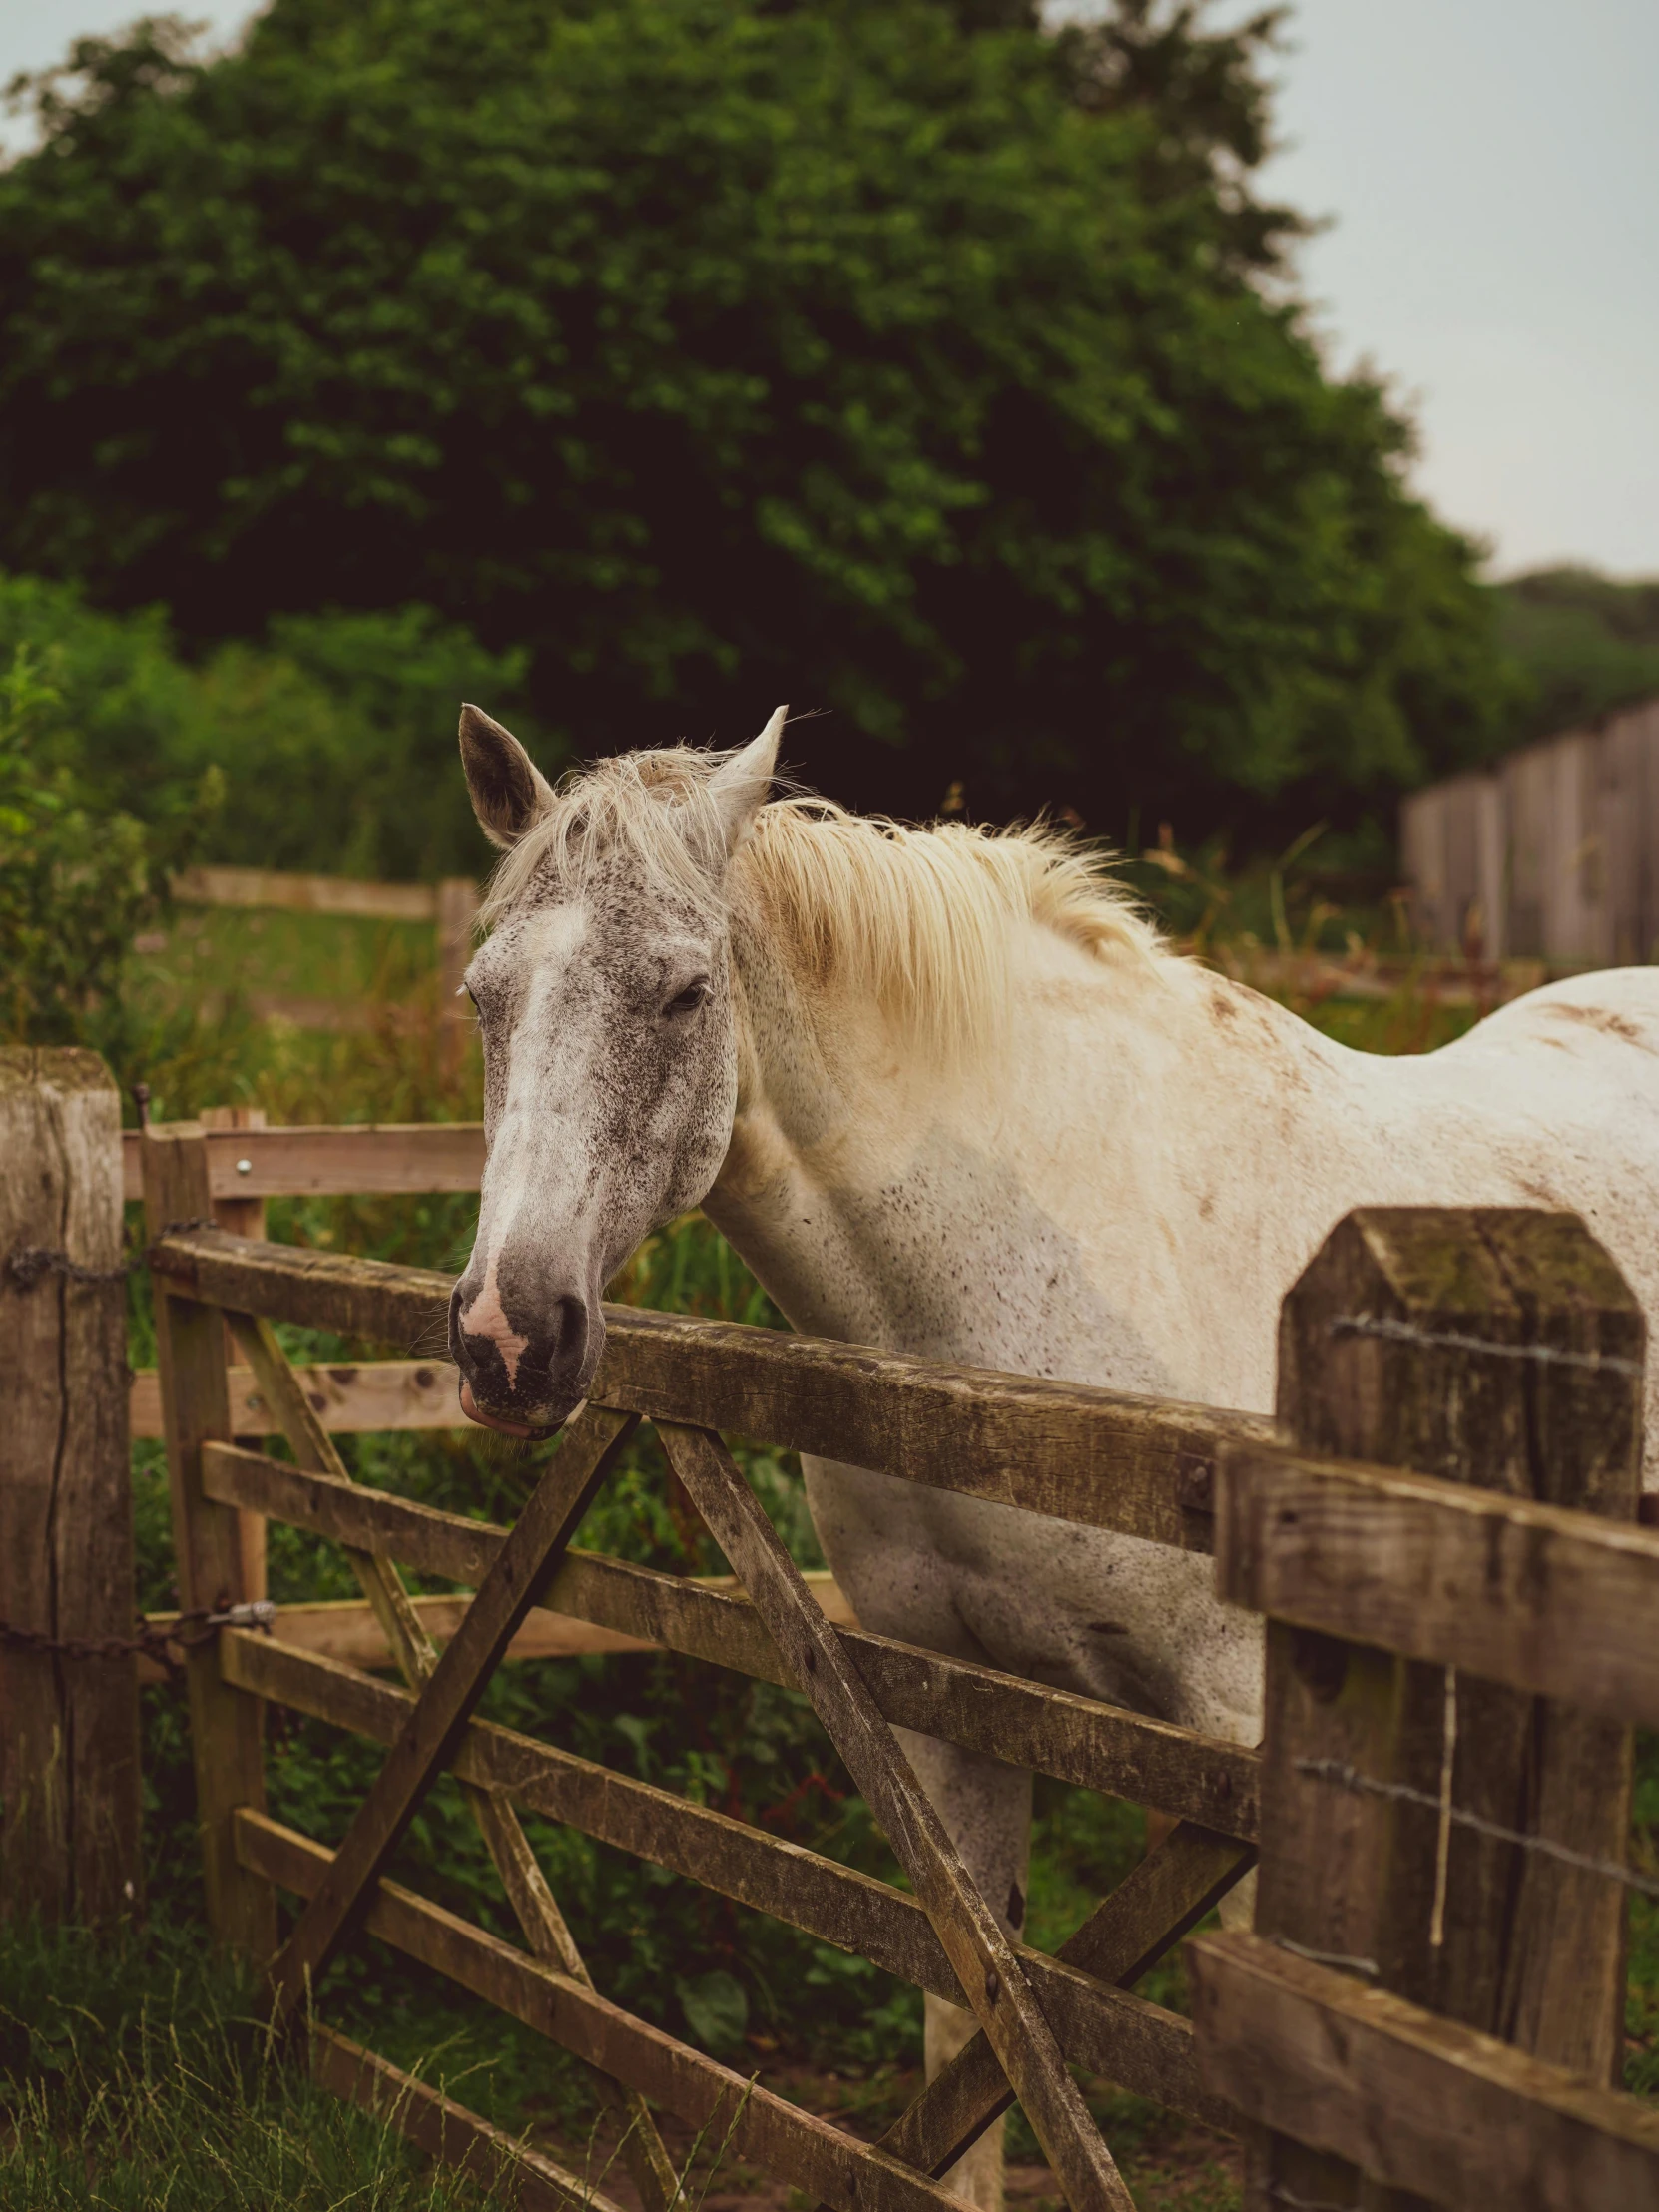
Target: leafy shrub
(73, 890)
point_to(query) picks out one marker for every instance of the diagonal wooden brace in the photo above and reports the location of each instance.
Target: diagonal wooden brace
(980, 1953)
(1125, 1935)
(533, 1550)
(527, 1889)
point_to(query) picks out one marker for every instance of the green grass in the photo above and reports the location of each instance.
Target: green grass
(134, 2075)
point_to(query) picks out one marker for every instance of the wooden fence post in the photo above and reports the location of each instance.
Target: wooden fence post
(243, 1217)
(69, 1767)
(225, 1725)
(1501, 1349)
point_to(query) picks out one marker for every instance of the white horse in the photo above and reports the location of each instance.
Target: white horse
(948, 1093)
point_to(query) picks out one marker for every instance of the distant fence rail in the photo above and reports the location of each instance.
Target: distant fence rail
(450, 907)
(1552, 854)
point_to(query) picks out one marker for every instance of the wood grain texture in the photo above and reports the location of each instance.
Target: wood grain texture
(347, 1629)
(448, 2132)
(353, 1159)
(226, 1747)
(981, 1955)
(351, 1398)
(1429, 2107)
(1104, 1458)
(1551, 1411)
(417, 1657)
(1499, 1350)
(1140, 2045)
(506, 1595)
(796, 2146)
(1168, 1894)
(1076, 1739)
(1547, 1600)
(69, 1771)
(242, 1215)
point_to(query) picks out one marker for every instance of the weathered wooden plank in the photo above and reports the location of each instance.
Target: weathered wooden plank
(776, 2135)
(1140, 2045)
(349, 1397)
(1076, 1739)
(980, 1952)
(1168, 1894)
(416, 1656)
(447, 2132)
(242, 1215)
(308, 895)
(523, 1563)
(1501, 1348)
(69, 1758)
(352, 1159)
(1420, 2102)
(1104, 1458)
(347, 1629)
(227, 1745)
(1550, 1601)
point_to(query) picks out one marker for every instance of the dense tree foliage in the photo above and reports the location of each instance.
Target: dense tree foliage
(1586, 642)
(886, 356)
(335, 738)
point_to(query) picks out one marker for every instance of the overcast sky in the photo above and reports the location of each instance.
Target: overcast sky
(1491, 168)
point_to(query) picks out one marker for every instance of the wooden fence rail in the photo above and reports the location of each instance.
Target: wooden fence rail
(1090, 1455)
(451, 906)
(1437, 1524)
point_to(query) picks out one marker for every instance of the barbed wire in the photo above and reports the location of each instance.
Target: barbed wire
(1348, 1777)
(1453, 1339)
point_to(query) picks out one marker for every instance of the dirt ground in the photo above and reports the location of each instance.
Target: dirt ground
(1171, 2165)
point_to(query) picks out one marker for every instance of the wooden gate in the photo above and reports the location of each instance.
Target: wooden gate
(1078, 1454)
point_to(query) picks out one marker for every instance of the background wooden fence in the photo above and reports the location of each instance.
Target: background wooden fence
(1553, 856)
(451, 906)
(1456, 1652)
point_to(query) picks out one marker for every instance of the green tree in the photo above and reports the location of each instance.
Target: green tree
(1587, 643)
(886, 356)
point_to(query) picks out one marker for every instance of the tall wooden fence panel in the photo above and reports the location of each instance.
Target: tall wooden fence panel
(1553, 855)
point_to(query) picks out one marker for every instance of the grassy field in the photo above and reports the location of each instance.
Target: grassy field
(131, 2074)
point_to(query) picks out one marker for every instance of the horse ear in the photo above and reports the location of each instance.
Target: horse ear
(509, 790)
(740, 785)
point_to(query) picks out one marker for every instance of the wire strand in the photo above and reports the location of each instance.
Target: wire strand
(1346, 1777)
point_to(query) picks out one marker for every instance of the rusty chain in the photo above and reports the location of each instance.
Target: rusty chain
(151, 1640)
(25, 1266)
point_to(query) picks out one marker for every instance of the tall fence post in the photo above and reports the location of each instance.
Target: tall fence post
(69, 1766)
(243, 1217)
(1501, 1349)
(225, 1724)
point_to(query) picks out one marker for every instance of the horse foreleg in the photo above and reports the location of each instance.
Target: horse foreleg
(986, 1808)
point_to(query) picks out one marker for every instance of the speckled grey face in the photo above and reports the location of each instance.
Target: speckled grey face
(610, 1072)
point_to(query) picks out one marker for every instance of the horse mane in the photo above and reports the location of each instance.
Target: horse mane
(919, 919)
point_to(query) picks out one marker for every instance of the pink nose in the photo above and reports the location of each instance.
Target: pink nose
(487, 1316)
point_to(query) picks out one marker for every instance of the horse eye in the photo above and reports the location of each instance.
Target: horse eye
(695, 994)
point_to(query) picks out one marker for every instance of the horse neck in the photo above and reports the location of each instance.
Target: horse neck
(885, 1198)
